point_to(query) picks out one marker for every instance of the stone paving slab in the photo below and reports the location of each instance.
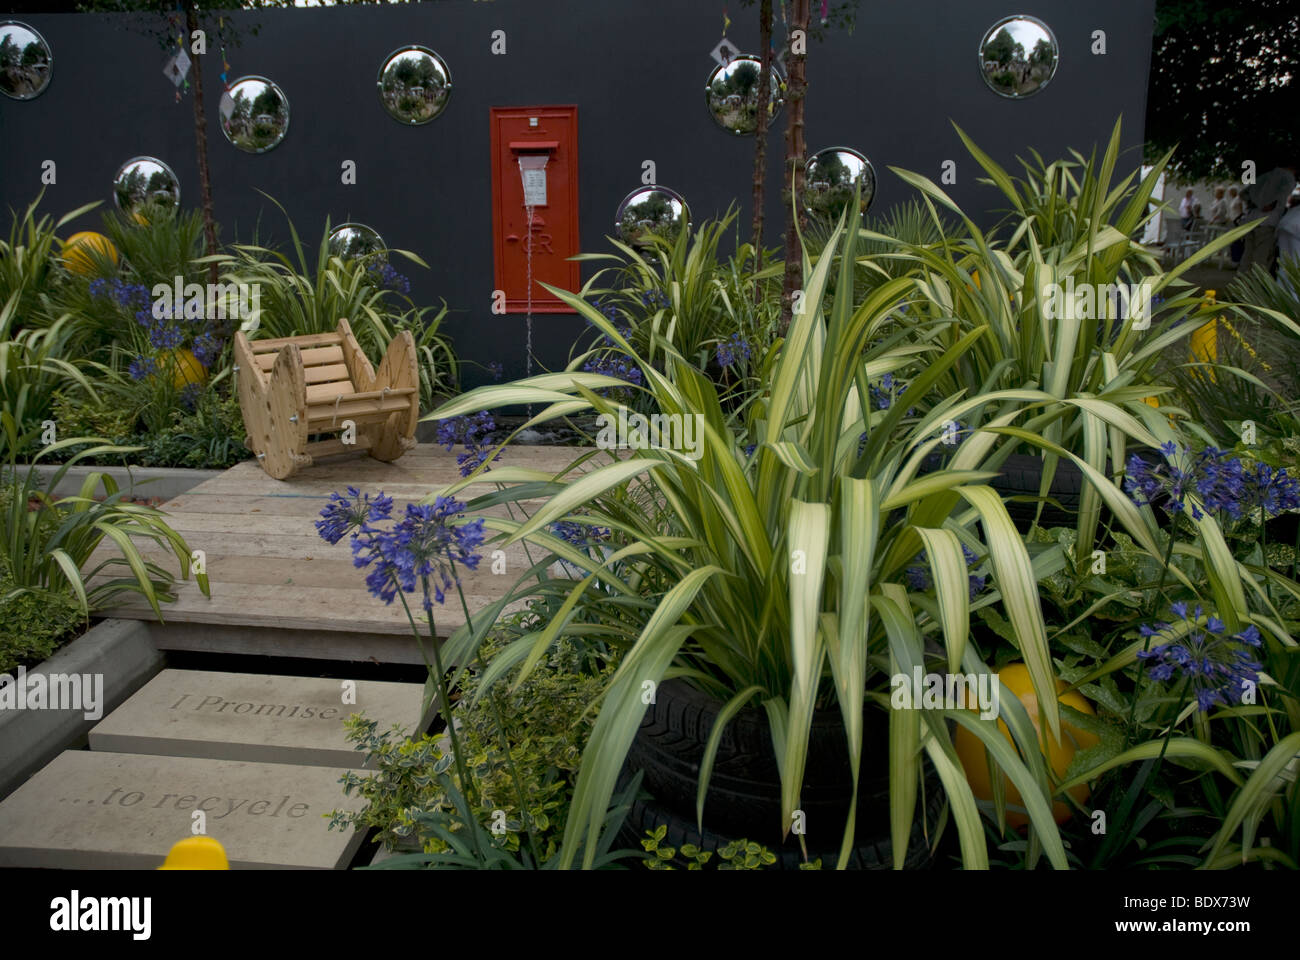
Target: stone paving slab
(93, 810)
(254, 717)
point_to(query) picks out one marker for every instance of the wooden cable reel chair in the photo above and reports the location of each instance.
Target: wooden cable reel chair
(295, 387)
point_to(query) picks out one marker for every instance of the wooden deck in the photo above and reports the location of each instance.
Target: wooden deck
(279, 589)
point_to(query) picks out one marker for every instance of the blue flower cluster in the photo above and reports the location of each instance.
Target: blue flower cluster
(424, 547)
(122, 293)
(341, 515)
(1218, 667)
(206, 348)
(142, 367)
(732, 348)
(387, 277)
(495, 368)
(127, 295)
(613, 315)
(614, 366)
(883, 396)
(918, 575)
(1220, 481)
(164, 336)
(655, 298)
(475, 433)
(610, 309)
(580, 535)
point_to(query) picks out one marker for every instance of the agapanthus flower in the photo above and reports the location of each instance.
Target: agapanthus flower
(655, 298)
(889, 390)
(1218, 666)
(580, 535)
(1215, 478)
(142, 367)
(189, 395)
(124, 294)
(424, 548)
(733, 348)
(165, 337)
(619, 367)
(344, 515)
(1271, 492)
(474, 432)
(206, 349)
(388, 277)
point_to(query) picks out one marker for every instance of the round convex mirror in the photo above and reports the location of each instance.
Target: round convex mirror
(732, 94)
(1018, 56)
(26, 63)
(145, 186)
(348, 241)
(650, 211)
(254, 114)
(831, 179)
(414, 85)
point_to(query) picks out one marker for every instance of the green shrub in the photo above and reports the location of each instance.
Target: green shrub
(737, 855)
(522, 745)
(33, 624)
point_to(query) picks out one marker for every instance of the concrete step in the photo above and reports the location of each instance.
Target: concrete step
(254, 717)
(98, 810)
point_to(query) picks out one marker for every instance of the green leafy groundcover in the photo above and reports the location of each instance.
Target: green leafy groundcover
(208, 437)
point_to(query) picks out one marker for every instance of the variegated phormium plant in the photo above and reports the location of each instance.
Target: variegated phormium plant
(778, 577)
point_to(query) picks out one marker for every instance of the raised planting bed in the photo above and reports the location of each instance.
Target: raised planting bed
(122, 652)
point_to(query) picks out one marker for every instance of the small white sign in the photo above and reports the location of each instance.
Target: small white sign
(177, 66)
(534, 187)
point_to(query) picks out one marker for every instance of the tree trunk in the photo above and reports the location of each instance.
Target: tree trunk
(760, 135)
(201, 144)
(795, 151)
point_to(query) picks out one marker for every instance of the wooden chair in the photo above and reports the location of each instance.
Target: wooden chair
(296, 387)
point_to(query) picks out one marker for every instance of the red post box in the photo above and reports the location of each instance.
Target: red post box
(535, 204)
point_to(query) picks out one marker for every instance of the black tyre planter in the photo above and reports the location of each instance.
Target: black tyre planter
(744, 798)
(1018, 484)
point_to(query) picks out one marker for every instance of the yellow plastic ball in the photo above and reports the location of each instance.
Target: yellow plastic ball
(196, 853)
(76, 256)
(185, 367)
(970, 749)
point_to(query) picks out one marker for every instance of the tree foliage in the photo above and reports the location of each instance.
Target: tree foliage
(1223, 86)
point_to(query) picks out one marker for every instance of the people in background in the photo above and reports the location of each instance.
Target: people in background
(1219, 208)
(1288, 243)
(1288, 233)
(1236, 206)
(1265, 204)
(1187, 209)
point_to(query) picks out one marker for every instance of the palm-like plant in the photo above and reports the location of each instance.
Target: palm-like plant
(49, 547)
(1069, 228)
(779, 577)
(27, 266)
(33, 368)
(298, 297)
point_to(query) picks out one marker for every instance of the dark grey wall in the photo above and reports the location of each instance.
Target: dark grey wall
(636, 68)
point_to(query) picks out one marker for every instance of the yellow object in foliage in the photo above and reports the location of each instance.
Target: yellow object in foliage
(196, 853)
(76, 257)
(970, 749)
(184, 366)
(1205, 339)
